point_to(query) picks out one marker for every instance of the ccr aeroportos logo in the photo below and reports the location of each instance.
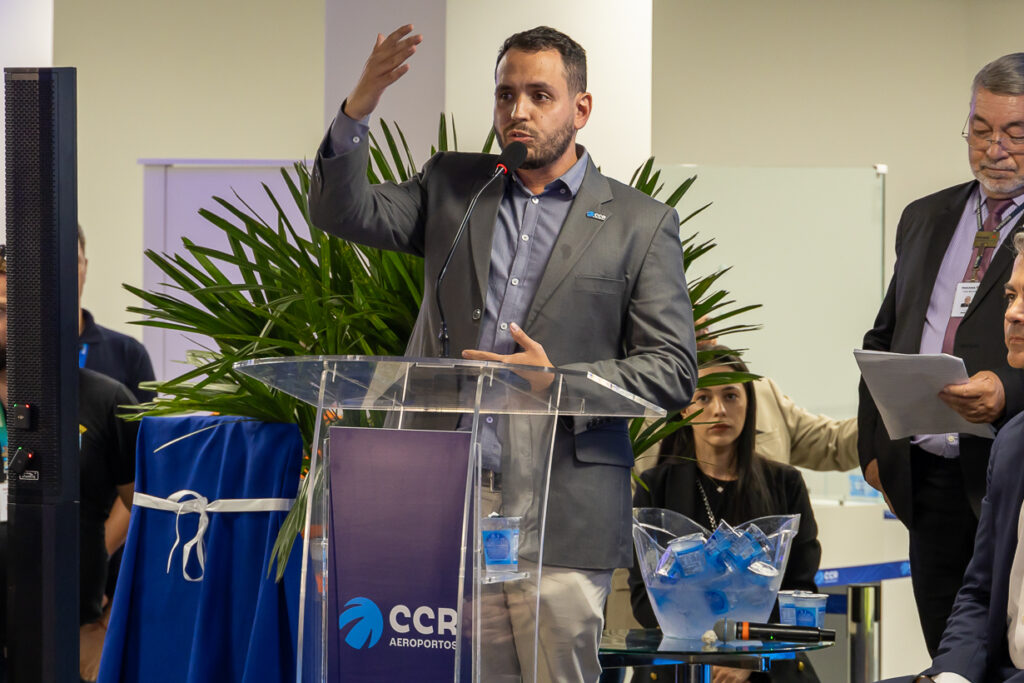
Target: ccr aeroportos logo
(368, 625)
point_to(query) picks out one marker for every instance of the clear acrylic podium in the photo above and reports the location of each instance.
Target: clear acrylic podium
(510, 411)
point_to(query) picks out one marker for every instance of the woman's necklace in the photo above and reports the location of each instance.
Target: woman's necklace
(719, 484)
(719, 488)
(707, 504)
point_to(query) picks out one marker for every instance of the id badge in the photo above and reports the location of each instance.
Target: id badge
(965, 293)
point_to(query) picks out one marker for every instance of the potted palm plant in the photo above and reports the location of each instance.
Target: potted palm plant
(303, 292)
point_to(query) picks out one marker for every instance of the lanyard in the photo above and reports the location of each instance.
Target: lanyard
(1009, 217)
(83, 353)
(987, 239)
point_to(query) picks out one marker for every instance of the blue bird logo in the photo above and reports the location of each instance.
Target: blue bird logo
(367, 623)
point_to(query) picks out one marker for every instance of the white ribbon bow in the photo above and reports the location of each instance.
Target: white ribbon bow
(199, 505)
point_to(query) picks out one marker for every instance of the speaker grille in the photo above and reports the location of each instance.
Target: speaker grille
(40, 207)
(42, 370)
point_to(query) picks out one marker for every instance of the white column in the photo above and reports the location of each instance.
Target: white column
(26, 39)
(416, 101)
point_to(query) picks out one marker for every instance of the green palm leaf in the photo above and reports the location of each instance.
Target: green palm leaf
(303, 292)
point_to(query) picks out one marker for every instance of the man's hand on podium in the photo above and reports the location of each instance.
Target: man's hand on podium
(532, 354)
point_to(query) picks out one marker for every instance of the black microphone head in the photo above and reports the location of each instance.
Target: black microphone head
(725, 629)
(512, 157)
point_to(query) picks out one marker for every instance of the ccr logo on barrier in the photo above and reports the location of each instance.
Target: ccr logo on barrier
(827, 576)
(367, 623)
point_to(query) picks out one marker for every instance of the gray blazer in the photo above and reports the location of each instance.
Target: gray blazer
(612, 301)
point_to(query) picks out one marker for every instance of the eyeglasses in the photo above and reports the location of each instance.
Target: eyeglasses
(1011, 144)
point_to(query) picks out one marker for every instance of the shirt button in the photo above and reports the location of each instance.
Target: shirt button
(534, 200)
(526, 238)
(355, 139)
(503, 326)
(476, 314)
(489, 419)
(950, 438)
(562, 190)
(515, 281)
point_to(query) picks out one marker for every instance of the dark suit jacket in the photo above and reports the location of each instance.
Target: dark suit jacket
(923, 234)
(672, 485)
(612, 301)
(974, 644)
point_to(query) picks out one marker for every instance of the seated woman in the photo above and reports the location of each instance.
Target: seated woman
(709, 472)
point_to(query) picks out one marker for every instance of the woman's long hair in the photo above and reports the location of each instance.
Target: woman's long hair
(752, 497)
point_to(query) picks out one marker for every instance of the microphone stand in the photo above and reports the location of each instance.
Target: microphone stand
(443, 335)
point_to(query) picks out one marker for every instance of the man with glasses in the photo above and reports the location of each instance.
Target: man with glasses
(953, 257)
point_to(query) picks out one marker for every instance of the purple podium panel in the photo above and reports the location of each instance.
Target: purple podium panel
(395, 540)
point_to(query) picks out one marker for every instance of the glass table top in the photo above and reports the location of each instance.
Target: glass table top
(638, 646)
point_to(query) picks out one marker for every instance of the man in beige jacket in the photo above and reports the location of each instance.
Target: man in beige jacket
(788, 433)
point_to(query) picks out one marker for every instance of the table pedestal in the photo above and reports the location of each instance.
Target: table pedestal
(693, 673)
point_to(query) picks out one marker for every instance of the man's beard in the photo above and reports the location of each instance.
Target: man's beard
(1009, 186)
(549, 149)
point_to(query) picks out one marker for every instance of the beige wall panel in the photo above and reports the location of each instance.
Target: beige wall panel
(812, 83)
(225, 79)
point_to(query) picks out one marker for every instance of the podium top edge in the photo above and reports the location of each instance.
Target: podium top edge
(419, 362)
(338, 364)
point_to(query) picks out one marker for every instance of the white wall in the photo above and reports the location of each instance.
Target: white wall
(812, 83)
(415, 102)
(826, 83)
(190, 78)
(786, 83)
(453, 69)
(26, 39)
(617, 37)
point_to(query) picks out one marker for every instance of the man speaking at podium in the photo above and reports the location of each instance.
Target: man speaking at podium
(559, 266)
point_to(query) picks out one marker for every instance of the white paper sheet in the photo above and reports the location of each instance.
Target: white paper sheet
(906, 389)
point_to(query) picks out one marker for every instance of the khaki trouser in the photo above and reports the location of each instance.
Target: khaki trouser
(571, 620)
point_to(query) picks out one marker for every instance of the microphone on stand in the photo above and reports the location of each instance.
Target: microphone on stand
(727, 630)
(510, 159)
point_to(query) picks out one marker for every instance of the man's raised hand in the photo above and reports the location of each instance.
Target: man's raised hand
(387, 63)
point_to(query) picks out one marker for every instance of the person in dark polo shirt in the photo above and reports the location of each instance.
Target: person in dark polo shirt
(108, 352)
(124, 359)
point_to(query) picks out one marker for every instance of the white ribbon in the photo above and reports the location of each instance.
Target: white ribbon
(200, 505)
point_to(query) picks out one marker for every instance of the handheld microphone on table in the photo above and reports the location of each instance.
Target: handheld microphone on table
(511, 158)
(728, 630)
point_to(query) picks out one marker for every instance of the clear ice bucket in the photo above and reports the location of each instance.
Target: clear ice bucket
(694, 576)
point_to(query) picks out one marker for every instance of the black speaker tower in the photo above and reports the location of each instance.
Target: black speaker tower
(42, 365)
